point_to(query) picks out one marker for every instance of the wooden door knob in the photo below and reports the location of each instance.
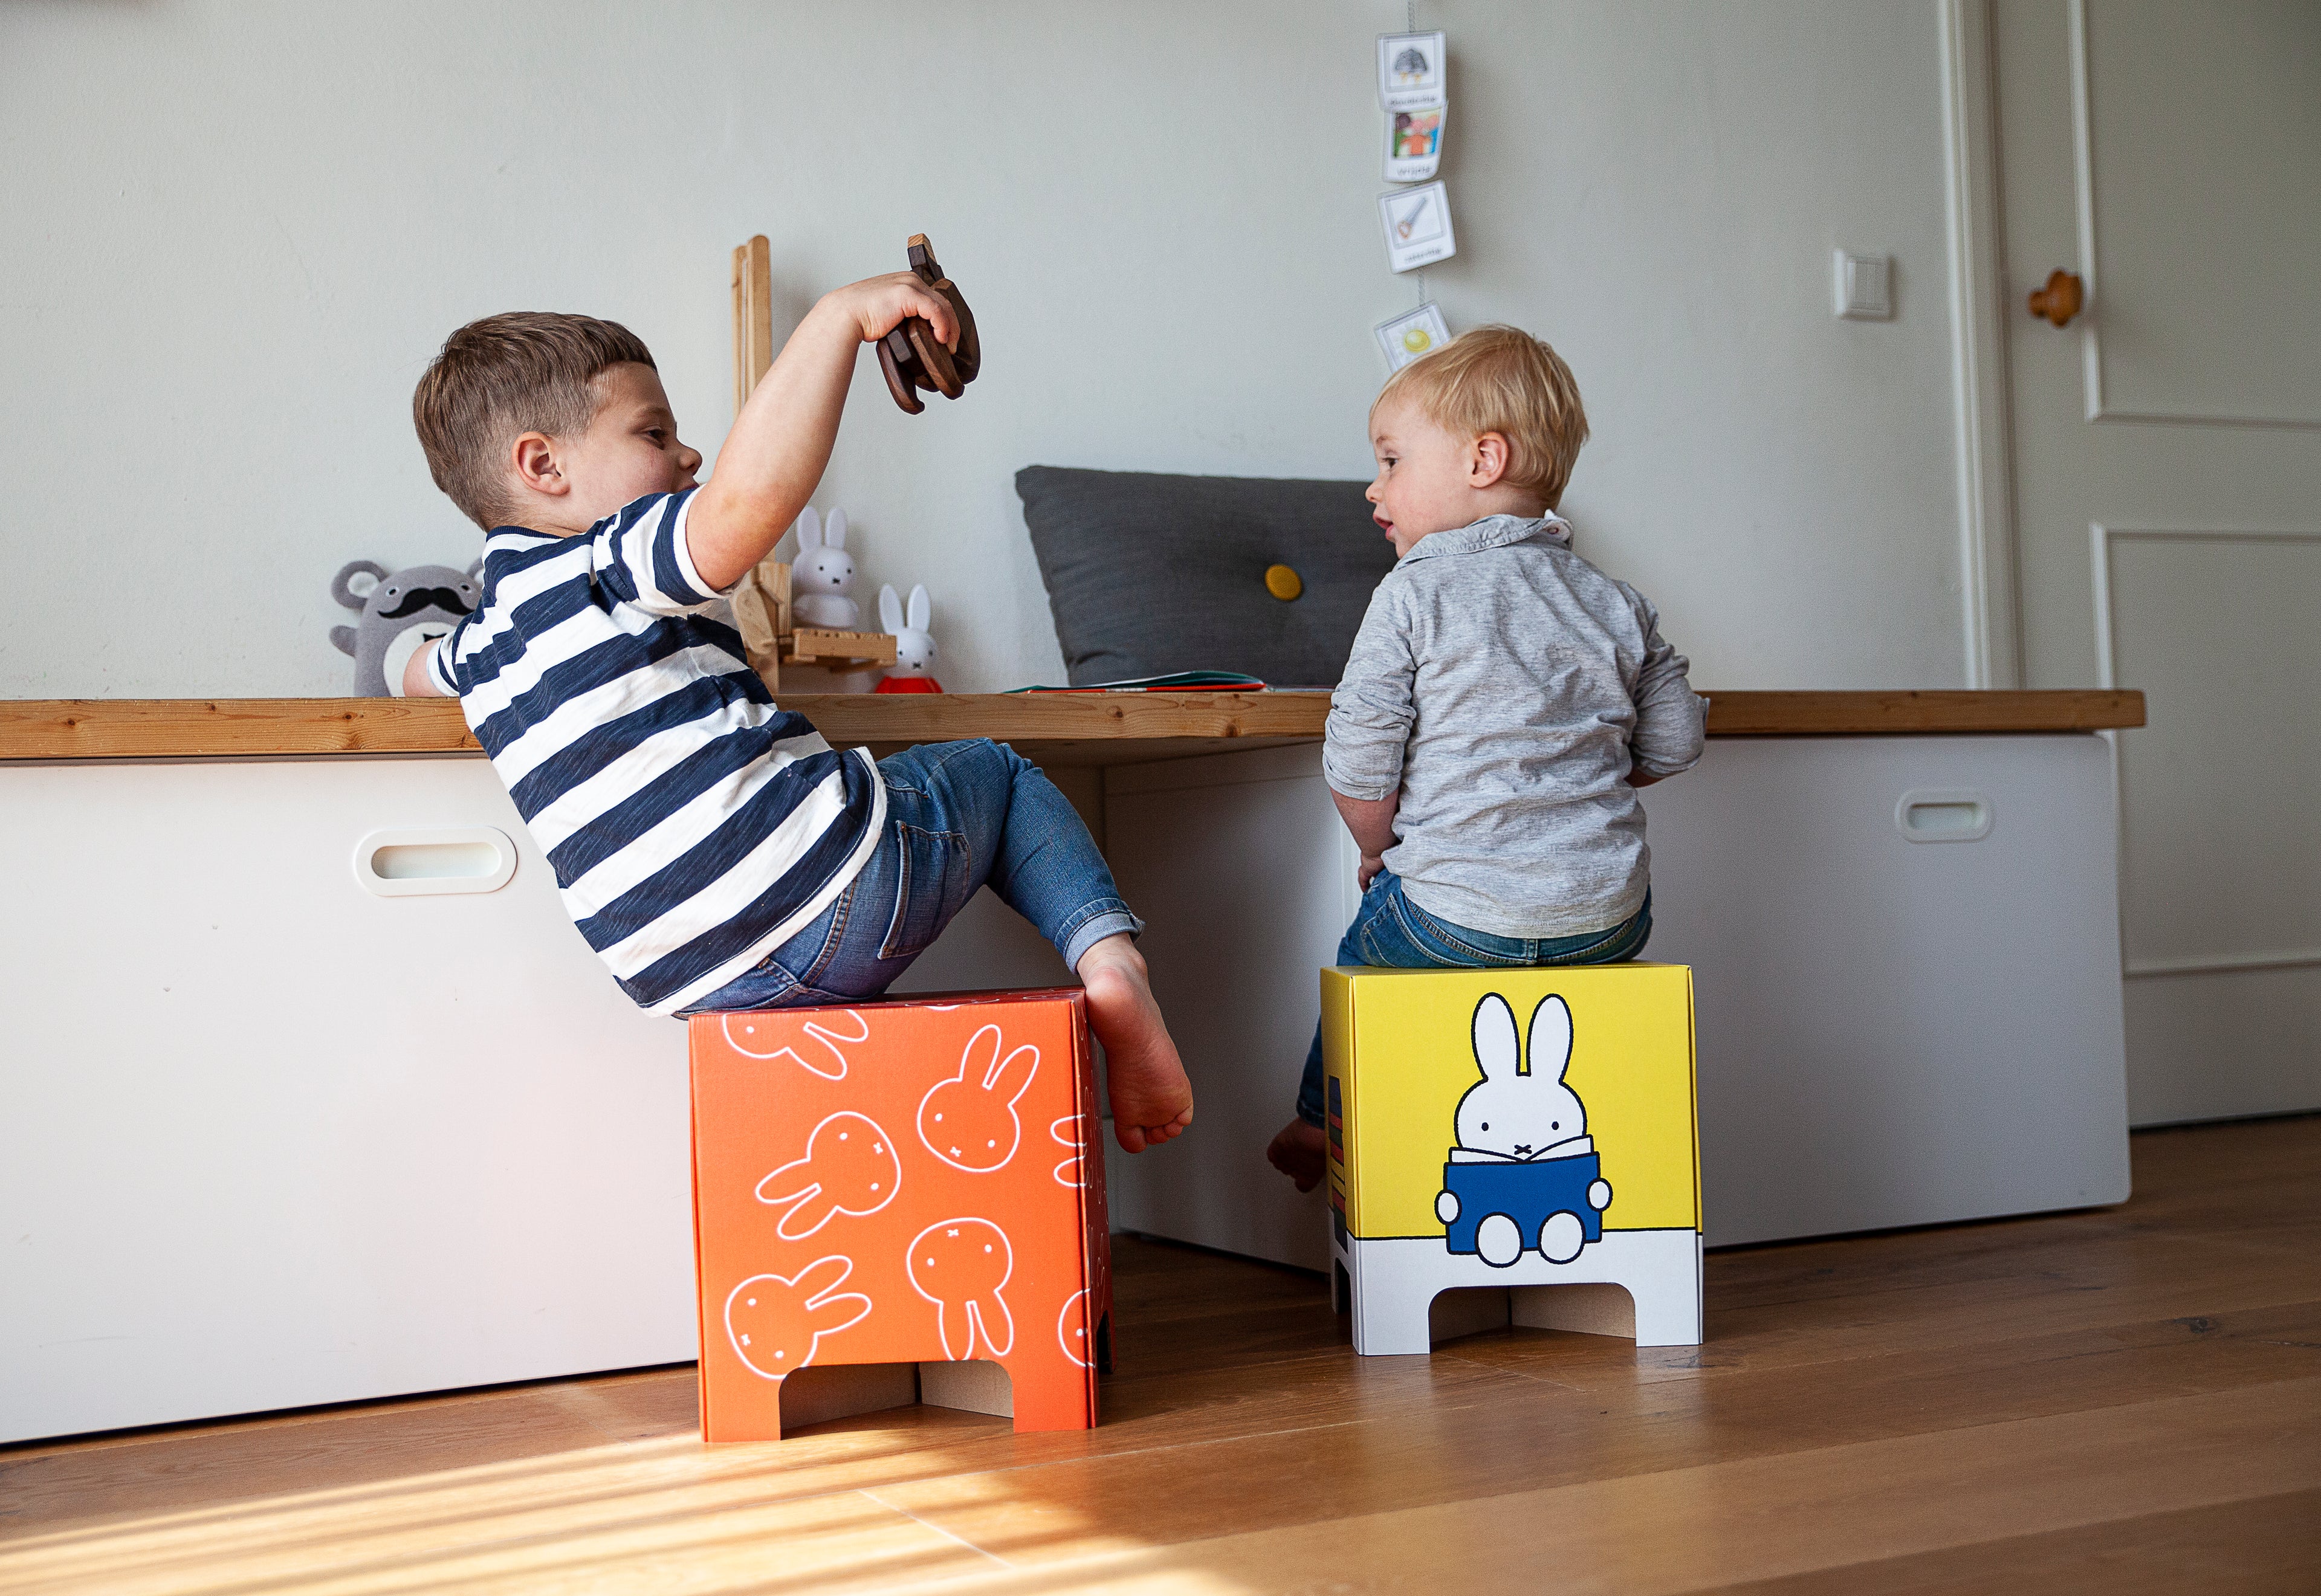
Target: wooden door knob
(2061, 299)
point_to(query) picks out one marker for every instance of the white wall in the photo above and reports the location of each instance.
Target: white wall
(235, 232)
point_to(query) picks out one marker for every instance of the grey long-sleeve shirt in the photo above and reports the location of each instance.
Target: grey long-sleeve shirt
(1505, 688)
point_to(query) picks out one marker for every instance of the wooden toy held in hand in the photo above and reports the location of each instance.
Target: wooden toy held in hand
(914, 357)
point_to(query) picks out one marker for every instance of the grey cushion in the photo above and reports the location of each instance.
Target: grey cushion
(1148, 574)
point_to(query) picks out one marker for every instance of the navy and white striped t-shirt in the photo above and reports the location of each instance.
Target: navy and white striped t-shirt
(693, 826)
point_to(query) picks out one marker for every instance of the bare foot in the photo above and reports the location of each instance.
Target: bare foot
(1298, 1151)
(1151, 1100)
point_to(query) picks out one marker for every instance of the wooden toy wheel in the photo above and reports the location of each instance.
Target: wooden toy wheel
(933, 358)
(913, 357)
(898, 383)
(967, 359)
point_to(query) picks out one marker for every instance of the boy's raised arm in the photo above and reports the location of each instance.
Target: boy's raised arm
(781, 443)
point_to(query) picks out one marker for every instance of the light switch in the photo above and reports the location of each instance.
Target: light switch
(1864, 285)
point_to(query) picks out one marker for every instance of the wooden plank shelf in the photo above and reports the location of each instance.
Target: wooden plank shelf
(1086, 728)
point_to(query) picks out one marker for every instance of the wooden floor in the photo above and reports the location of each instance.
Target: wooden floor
(2123, 1401)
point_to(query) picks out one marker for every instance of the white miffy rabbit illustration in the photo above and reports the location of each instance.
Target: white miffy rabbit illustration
(961, 1266)
(914, 645)
(1525, 1173)
(1512, 1112)
(824, 573)
(775, 1322)
(851, 1166)
(969, 1122)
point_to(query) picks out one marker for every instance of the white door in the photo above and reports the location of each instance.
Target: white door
(2167, 455)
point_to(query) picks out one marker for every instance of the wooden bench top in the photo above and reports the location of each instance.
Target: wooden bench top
(1065, 728)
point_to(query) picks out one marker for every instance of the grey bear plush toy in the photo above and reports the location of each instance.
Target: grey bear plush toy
(401, 611)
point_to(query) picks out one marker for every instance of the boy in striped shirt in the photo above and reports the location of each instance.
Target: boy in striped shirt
(714, 849)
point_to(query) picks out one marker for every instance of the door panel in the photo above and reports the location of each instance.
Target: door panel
(2201, 878)
(2204, 208)
(2167, 448)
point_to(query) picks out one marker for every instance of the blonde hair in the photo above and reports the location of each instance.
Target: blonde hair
(1503, 380)
(496, 379)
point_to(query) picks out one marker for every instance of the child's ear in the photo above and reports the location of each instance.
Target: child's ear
(534, 455)
(1488, 459)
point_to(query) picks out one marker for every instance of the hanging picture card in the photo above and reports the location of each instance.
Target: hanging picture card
(1413, 334)
(1414, 144)
(1410, 70)
(1417, 223)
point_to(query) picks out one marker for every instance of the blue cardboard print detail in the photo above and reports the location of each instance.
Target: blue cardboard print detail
(1524, 1173)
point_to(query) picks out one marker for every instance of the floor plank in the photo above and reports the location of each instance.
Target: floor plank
(2121, 1400)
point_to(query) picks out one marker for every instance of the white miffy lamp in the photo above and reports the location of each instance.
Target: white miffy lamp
(823, 572)
(914, 645)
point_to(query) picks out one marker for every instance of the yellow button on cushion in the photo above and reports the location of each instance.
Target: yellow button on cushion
(1282, 583)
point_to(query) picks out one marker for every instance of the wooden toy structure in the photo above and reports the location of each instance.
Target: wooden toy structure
(899, 1202)
(770, 630)
(912, 358)
(1556, 1165)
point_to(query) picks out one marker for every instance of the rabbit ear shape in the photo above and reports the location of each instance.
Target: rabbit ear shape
(980, 1057)
(833, 531)
(1551, 1037)
(828, 1314)
(890, 609)
(821, 1277)
(809, 528)
(923, 608)
(1495, 1037)
(1011, 1077)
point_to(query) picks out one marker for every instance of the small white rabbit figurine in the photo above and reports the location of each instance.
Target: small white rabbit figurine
(915, 646)
(823, 574)
(1521, 1116)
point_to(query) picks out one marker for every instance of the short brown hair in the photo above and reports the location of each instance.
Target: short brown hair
(496, 379)
(1502, 379)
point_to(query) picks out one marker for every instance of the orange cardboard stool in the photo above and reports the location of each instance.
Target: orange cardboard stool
(917, 1184)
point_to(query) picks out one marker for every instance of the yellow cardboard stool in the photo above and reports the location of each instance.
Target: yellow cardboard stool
(1527, 1129)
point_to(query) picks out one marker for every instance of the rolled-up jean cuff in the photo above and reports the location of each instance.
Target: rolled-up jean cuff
(1106, 917)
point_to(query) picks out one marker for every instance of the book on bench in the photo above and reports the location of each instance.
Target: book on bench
(1183, 681)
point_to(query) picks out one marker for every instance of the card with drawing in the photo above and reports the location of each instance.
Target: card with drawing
(1410, 70)
(1412, 334)
(1414, 144)
(1417, 223)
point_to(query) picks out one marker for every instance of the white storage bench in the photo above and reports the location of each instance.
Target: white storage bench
(279, 1134)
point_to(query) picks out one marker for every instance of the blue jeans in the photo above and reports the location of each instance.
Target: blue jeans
(1391, 932)
(959, 815)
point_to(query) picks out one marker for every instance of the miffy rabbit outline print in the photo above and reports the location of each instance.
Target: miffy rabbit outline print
(824, 573)
(969, 1121)
(1523, 1171)
(912, 627)
(777, 1322)
(899, 1183)
(850, 1166)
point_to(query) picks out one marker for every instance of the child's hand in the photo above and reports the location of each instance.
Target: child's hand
(1371, 865)
(877, 306)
